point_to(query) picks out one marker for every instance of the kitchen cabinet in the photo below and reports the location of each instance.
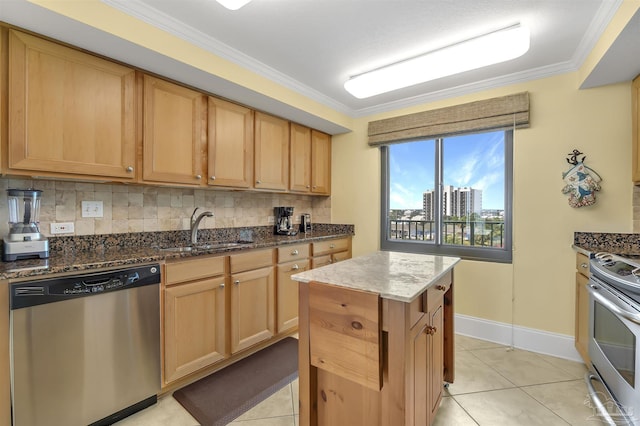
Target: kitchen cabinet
(330, 251)
(582, 307)
(5, 378)
(271, 152)
(194, 316)
(635, 129)
(321, 163)
(300, 161)
(291, 260)
(230, 144)
(252, 318)
(71, 114)
(174, 137)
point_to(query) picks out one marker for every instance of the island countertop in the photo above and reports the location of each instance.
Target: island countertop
(394, 275)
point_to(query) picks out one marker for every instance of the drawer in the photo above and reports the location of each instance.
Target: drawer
(293, 267)
(251, 260)
(437, 291)
(319, 261)
(343, 255)
(193, 269)
(295, 252)
(331, 246)
(582, 264)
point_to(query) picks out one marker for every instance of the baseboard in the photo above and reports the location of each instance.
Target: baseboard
(530, 339)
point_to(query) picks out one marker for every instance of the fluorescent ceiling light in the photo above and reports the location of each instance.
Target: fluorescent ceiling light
(488, 49)
(233, 4)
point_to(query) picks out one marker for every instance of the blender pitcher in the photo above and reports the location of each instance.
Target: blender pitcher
(24, 239)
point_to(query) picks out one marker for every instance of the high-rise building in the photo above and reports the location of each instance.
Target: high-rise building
(458, 202)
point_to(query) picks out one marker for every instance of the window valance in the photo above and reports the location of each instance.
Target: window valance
(488, 114)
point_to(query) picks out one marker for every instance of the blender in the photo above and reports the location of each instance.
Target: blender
(24, 240)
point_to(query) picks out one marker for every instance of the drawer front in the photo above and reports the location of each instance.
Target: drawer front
(582, 264)
(330, 246)
(193, 269)
(437, 291)
(290, 253)
(319, 261)
(251, 260)
(293, 267)
(343, 255)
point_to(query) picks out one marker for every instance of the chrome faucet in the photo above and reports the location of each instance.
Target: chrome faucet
(196, 222)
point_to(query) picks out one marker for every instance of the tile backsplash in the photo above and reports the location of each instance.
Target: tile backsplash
(138, 208)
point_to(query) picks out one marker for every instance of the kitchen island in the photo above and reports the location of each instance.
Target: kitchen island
(376, 339)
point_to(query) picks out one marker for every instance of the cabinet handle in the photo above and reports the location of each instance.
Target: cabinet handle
(295, 267)
(430, 330)
(258, 182)
(198, 177)
(212, 178)
(221, 285)
(314, 187)
(441, 287)
(294, 253)
(583, 265)
(236, 282)
(308, 186)
(129, 169)
(332, 246)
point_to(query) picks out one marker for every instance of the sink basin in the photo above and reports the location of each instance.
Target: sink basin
(204, 246)
(176, 249)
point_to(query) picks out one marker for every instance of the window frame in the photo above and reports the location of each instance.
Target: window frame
(489, 254)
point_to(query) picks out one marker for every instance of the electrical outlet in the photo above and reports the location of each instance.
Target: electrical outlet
(92, 209)
(62, 228)
(271, 219)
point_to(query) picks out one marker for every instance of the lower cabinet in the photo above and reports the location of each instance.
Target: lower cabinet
(331, 251)
(291, 260)
(582, 307)
(194, 316)
(252, 317)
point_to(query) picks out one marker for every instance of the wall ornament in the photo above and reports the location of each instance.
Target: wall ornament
(581, 181)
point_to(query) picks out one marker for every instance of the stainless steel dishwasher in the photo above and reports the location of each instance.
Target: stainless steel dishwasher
(85, 349)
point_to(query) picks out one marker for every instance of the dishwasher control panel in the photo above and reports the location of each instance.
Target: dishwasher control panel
(50, 290)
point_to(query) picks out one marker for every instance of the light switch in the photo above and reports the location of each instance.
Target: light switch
(92, 209)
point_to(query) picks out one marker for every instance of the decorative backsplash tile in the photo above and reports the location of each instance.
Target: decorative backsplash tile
(137, 208)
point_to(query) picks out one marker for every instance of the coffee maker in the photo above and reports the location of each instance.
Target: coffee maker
(24, 240)
(284, 221)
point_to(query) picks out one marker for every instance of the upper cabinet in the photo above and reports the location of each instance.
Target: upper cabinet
(310, 168)
(271, 152)
(320, 163)
(230, 130)
(635, 110)
(71, 114)
(174, 140)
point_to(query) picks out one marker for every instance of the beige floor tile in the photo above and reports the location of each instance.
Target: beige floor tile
(277, 405)
(569, 400)
(295, 396)
(451, 414)
(469, 343)
(271, 421)
(167, 412)
(474, 375)
(576, 369)
(522, 368)
(507, 407)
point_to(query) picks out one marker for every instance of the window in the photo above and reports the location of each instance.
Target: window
(449, 196)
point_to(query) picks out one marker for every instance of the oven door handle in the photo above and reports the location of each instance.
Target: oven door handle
(600, 406)
(611, 305)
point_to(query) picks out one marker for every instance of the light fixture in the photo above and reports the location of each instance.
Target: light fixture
(233, 4)
(488, 49)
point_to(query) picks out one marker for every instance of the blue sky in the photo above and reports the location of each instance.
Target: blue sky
(475, 160)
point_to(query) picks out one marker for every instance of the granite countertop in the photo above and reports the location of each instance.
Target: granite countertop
(616, 243)
(99, 253)
(394, 275)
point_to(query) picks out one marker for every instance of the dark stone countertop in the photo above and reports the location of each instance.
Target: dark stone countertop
(616, 243)
(88, 253)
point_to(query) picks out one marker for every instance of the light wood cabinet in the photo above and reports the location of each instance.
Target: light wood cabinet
(194, 316)
(252, 298)
(271, 152)
(330, 251)
(71, 114)
(291, 260)
(230, 144)
(320, 163)
(582, 307)
(635, 129)
(174, 140)
(300, 160)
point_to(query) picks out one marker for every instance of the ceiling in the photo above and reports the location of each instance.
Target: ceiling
(314, 46)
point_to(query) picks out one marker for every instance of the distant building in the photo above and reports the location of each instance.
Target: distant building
(459, 202)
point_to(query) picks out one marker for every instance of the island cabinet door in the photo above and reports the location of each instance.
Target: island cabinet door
(252, 307)
(436, 358)
(419, 407)
(287, 295)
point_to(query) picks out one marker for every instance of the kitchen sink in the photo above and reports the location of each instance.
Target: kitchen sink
(205, 246)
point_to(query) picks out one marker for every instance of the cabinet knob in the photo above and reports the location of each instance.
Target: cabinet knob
(440, 287)
(258, 182)
(584, 265)
(294, 253)
(130, 169)
(221, 285)
(308, 186)
(198, 177)
(236, 282)
(212, 178)
(332, 246)
(430, 330)
(295, 267)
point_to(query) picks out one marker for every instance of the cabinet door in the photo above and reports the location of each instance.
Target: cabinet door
(173, 141)
(194, 327)
(70, 113)
(230, 140)
(436, 357)
(252, 308)
(271, 152)
(287, 295)
(418, 376)
(321, 163)
(635, 129)
(300, 167)
(582, 317)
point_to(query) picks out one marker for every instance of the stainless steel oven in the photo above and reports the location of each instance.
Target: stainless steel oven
(614, 336)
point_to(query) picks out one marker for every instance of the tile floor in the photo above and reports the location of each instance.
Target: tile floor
(494, 385)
